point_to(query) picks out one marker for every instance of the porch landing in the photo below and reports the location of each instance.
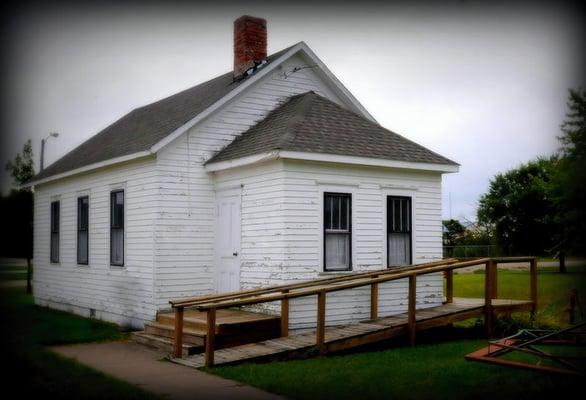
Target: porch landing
(343, 337)
(232, 328)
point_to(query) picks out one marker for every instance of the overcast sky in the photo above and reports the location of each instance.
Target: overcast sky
(483, 85)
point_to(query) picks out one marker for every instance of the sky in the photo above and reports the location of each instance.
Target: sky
(482, 83)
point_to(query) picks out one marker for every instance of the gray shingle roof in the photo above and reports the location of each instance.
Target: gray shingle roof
(311, 123)
(143, 127)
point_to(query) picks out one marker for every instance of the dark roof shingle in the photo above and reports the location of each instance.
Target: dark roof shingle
(144, 127)
(313, 124)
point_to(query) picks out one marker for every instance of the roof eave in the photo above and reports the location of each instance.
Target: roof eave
(331, 158)
(88, 168)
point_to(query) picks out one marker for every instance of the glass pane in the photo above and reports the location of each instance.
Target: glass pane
(82, 247)
(337, 251)
(55, 247)
(399, 249)
(344, 212)
(396, 215)
(117, 246)
(328, 212)
(117, 210)
(406, 215)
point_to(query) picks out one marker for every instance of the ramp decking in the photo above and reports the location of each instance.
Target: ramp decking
(343, 337)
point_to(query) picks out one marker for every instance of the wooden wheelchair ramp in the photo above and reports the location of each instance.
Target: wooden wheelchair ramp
(347, 336)
(330, 339)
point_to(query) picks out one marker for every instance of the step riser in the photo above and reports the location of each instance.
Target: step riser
(169, 320)
(224, 329)
(170, 334)
(165, 347)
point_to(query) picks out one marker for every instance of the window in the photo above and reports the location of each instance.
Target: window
(398, 231)
(55, 232)
(337, 232)
(117, 228)
(82, 229)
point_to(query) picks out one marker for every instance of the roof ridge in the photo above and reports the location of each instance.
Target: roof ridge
(305, 100)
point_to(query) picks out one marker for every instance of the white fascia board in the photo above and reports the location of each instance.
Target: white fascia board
(337, 85)
(101, 164)
(301, 46)
(204, 114)
(241, 162)
(371, 162)
(330, 158)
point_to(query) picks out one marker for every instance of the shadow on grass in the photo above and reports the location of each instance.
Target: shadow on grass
(34, 371)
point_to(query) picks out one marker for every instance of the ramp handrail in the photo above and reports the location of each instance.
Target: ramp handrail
(321, 287)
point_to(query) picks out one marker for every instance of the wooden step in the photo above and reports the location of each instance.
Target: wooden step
(228, 322)
(190, 336)
(163, 343)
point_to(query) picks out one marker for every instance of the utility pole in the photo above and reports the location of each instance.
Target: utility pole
(52, 134)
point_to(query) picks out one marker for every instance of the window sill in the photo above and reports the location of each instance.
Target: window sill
(330, 273)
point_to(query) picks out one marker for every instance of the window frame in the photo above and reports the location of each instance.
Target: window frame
(87, 229)
(324, 230)
(388, 231)
(122, 227)
(55, 220)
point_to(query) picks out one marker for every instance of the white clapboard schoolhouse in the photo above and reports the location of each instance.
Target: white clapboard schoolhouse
(268, 174)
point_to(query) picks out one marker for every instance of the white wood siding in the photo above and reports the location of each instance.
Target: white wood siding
(185, 236)
(282, 233)
(119, 294)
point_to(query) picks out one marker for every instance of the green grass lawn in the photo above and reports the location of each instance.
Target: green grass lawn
(12, 273)
(436, 368)
(553, 290)
(35, 371)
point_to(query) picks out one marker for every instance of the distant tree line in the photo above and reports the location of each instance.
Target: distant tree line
(538, 208)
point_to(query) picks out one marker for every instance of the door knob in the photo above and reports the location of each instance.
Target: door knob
(235, 253)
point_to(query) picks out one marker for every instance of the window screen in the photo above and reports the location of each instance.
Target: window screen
(398, 231)
(55, 226)
(82, 229)
(337, 232)
(117, 228)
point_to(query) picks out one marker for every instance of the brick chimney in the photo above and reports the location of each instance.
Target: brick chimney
(250, 43)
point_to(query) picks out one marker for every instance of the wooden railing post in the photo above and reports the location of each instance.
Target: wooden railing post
(450, 286)
(494, 280)
(321, 321)
(488, 293)
(285, 316)
(374, 299)
(210, 337)
(411, 308)
(533, 287)
(178, 333)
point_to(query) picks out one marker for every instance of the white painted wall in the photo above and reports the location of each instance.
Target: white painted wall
(170, 214)
(119, 294)
(185, 227)
(282, 233)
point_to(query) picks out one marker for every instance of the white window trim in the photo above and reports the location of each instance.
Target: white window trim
(114, 187)
(352, 190)
(405, 193)
(79, 194)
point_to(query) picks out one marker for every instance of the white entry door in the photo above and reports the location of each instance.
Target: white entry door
(227, 241)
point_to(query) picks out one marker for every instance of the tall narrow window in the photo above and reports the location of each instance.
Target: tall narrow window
(55, 232)
(337, 232)
(117, 228)
(398, 230)
(82, 229)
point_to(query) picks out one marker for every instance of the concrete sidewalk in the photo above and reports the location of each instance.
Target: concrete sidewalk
(143, 367)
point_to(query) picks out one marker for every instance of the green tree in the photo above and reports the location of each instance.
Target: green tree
(22, 168)
(569, 188)
(453, 229)
(16, 211)
(520, 207)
